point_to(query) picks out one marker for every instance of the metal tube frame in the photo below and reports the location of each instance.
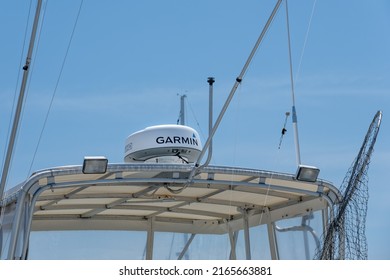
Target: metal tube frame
(233, 90)
(150, 240)
(273, 243)
(16, 226)
(30, 192)
(210, 81)
(247, 234)
(233, 236)
(189, 241)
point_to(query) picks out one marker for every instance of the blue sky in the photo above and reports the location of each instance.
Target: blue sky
(129, 61)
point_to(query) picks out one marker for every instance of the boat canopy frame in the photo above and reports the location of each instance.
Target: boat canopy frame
(157, 198)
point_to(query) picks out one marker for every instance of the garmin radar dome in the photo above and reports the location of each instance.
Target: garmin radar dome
(163, 144)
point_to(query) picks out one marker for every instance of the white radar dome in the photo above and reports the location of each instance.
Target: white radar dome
(169, 141)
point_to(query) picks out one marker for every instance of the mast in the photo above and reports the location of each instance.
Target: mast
(19, 105)
(182, 108)
(182, 121)
(210, 81)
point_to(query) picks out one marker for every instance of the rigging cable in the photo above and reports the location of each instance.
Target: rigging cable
(236, 125)
(19, 106)
(294, 115)
(57, 83)
(196, 119)
(305, 42)
(18, 78)
(32, 66)
(2, 209)
(234, 88)
(265, 208)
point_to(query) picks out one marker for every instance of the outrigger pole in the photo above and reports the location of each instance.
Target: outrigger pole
(19, 105)
(233, 90)
(294, 111)
(182, 108)
(210, 81)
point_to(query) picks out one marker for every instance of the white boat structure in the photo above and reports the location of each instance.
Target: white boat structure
(163, 186)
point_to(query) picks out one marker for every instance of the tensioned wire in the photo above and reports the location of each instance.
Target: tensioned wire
(277, 157)
(305, 41)
(2, 213)
(276, 164)
(56, 86)
(18, 78)
(32, 66)
(234, 153)
(235, 140)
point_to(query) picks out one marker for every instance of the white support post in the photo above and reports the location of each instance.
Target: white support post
(16, 226)
(273, 243)
(305, 238)
(150, 240)
(189, 241)
(246, 235)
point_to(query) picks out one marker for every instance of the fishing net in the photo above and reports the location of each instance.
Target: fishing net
(345, 235)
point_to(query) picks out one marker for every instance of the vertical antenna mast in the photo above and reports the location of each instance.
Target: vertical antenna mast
(182, 121)
(210, 81)
(182, 108)
(294, 112)
(19, 105)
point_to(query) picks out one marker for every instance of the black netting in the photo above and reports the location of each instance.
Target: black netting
(345, 237)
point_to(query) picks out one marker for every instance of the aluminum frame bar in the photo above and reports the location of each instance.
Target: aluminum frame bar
(247, 234)
(188, 243)
(273, 242)
(150, 240)
(233, 90)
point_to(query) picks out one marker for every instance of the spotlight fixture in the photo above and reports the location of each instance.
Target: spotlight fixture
(95, 165)
(307, 173)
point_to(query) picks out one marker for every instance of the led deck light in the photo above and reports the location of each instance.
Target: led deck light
(95, 165)
(307, 173)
